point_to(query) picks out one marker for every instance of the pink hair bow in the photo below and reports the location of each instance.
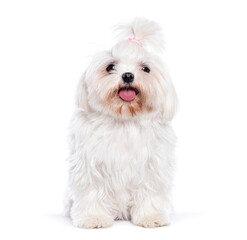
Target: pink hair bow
(135, 41)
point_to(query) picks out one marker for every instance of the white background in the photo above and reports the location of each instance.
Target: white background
(43, 52)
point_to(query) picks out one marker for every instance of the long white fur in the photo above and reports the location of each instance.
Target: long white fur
(120, 167)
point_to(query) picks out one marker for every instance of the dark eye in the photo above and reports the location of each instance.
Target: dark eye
(110, 67)
(146, 69)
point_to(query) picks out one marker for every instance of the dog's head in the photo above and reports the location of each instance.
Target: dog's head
(129, 80)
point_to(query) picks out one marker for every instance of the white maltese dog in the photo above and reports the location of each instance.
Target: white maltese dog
(121, 143)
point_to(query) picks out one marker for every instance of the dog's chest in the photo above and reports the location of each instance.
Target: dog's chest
(119, 151)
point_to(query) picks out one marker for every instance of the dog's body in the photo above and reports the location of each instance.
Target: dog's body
(121, 143)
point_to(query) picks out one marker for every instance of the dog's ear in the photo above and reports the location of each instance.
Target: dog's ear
(81, 96)
(170, 104)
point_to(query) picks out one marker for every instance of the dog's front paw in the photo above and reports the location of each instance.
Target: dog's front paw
(94, 222)
(151, 221)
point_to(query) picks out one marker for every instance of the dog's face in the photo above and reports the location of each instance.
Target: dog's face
(127, 82)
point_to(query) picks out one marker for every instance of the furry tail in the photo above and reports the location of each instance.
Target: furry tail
(144, 30)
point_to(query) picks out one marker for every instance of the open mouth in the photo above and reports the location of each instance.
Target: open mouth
(127, 93)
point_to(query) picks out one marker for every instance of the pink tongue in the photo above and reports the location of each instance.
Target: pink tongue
(127, 94)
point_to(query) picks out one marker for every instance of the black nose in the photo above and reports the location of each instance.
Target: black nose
(128, 77)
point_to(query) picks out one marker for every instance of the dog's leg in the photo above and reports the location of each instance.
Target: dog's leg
(88, 211)
(67, 204)
(148, 210)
